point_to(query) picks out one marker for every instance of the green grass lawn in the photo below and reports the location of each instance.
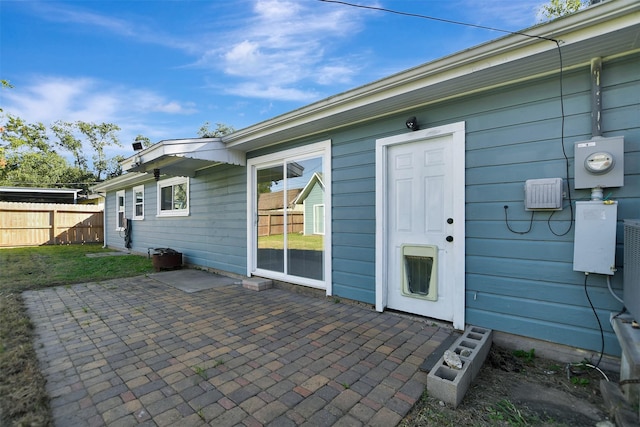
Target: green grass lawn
(23, 399)
(295, 241)
(42, 266)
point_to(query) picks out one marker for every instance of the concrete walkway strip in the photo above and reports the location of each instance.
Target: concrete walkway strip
(137, 351)
(193, 280)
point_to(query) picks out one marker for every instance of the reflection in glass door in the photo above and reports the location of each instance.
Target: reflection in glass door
(305, 246)
(270, 230)
(290, 225)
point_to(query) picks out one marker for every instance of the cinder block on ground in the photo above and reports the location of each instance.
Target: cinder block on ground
(257, 284)
(450, 385)
(474, 344)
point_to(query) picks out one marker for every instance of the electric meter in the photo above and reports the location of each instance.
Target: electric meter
(599, 162)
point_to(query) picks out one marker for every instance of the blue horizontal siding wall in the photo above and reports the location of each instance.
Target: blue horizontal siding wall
(525, 284)
(354, 209)
(213, 235)
(516, 283)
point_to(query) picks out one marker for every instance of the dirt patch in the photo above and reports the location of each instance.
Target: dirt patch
(518, 389)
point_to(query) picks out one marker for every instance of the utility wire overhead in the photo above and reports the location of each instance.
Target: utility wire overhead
(432, 18)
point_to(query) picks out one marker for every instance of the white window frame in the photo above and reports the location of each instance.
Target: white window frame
(319, 149)
(316, 224)
(170, 183)
(121, 210)
(137, 190)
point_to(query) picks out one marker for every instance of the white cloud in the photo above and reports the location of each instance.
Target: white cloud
(275, 10)
(143, 102)
(60, 13)
(48, 99)
(173, 107)
(259, 90)
(140, 30)
(276, 48)
(332, 74)
(244, 59)
(281, 50)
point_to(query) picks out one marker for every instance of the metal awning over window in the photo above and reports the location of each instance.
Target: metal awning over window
(183, 157)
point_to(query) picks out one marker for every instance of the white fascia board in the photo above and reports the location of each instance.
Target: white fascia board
(216, 151)
(163, 148)
(208, 149)
(603, 18)
(179, 147)
(123, 181)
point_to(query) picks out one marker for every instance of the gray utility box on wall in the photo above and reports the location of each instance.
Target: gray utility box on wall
(543, 194)
(599, 162)
(594, 249)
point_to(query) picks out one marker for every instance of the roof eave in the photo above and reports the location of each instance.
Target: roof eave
(120, 182)
(501, 54)
(183, 157)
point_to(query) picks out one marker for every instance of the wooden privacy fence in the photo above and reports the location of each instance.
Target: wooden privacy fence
(35, 224)
(270, 223)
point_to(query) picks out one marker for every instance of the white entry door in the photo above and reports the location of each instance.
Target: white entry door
(423, 223)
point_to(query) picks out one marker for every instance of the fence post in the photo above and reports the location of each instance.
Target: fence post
(54, 213)
(269, 225)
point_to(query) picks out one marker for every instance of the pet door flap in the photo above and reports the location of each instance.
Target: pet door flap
(419, 271)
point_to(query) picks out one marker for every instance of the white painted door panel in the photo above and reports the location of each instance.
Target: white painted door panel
(420, 218)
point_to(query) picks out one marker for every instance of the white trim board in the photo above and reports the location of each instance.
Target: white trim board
(457, 131)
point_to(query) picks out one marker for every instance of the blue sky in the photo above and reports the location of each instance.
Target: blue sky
(163, 68)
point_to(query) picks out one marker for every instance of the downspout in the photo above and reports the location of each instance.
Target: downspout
(104, 222)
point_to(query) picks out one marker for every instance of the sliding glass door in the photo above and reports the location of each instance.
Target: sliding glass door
(289, 202)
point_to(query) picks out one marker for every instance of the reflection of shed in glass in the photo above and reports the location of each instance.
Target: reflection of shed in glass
(312, 198)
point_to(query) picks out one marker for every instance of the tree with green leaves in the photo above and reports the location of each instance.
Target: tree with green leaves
(220, 130)
(21, 135)
(557, 8)
(99, 137)
(75, 137)
(67, 140)
(114, 168)
(28, 159)
(4, 84)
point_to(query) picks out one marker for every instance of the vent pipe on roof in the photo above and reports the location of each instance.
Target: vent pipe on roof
(596, 98)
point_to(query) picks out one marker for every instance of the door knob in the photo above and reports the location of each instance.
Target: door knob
(449, 220)
(449, 239)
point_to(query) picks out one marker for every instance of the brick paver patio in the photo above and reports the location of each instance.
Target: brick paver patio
(136, 351)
